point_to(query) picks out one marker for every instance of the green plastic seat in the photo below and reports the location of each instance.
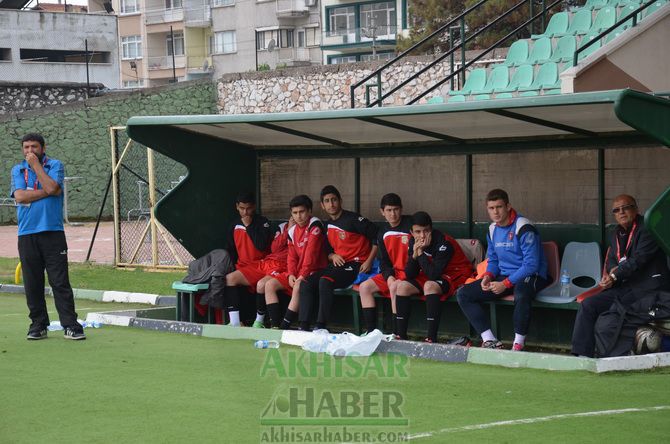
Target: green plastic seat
(498, 79)
(581, 22)
(435, 100)
(504, 96)
(523, 77)
(541, 51)
(482, 97)
(557, 25)
(616, 32)
(457, 99)
(606, 17)
(546, 78)
(626, 9)
(517, 54)
(653, 8)
(474, 82)
(595, 4)
(622, 3)
(565, 49)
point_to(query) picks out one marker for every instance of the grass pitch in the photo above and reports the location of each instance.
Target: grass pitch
(129, 385)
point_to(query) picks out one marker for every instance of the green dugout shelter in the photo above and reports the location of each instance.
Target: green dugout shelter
(224, 153)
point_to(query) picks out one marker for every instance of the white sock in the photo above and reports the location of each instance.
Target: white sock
(260, 317)
(519, 339)
(234, 318)
(488, 336)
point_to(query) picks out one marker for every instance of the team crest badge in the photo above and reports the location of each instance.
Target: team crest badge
(342, 235)
(510, 236)
(404, 240)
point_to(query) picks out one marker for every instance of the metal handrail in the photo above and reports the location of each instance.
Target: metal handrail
(464, 66)
(461, 45)
(593, 41)
(411, 48)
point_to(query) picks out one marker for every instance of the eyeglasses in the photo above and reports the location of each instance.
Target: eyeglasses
(622, 208)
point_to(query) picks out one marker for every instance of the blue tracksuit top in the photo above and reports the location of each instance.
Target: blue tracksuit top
(515, 251)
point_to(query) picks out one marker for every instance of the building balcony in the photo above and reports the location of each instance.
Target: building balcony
(199, 16)
(292, 55)
(159, 16)
(382, 35)
(165, 62)
(199, 65)
(293, 8)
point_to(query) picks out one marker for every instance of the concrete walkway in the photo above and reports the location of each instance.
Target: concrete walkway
(78, 241)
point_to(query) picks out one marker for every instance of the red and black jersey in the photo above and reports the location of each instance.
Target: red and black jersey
(443, 258)
(351, 236)
(306, 253)
(392, 243)
(247, 245)
(279, 246)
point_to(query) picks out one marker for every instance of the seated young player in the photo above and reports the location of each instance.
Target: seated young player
(351, 249)
(249, 238)
(260, 272)
(306, 257)
(436, 268)
(392, 241)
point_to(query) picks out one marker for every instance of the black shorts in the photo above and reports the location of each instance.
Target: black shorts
(342, 276)
(419, 283)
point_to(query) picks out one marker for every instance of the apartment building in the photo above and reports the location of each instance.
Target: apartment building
(161, 41)
(39, 46)
(264, 34)
(355, 31)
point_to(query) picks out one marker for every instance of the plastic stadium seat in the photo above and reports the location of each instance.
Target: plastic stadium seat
(504, 96)
(582, 262)
(456, 99)
(628, 8)
(517, 54)
(616, 32)
(482, 97)
(622, 3)
(595, 4)
(523, 76)
(581, 22)
(653, 8)
(606, 17)
(565, 49)
(473, 249)
(436, 99)
(595, 290)
(551, 253)
(498, 79)
(546, 78)
(557, 25)
(475, 81)
(541, 51)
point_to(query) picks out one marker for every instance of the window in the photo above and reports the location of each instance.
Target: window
(223, 2)
(378, 19)
(5, 54)
(224, 42)
(301, 39)
(342, 20)
(172, 4)
(133, 83)
(129, 6)
(378, 56)
(178, 44)
(260, 40)
(286, 38)
(342, 59)
(131, 47)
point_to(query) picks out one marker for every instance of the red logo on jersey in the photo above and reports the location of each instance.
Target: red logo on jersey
(316, 231)
(510, 236)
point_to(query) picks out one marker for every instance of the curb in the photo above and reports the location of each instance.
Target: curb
(103, 295)
(433, 352)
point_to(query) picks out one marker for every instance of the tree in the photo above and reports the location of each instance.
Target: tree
(425, 16)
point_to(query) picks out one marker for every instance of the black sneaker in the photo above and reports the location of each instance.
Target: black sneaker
(463, 341)
(76, 335)
(35, 335)
(495, 345)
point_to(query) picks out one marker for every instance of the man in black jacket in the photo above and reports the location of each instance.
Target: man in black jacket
(635, 262)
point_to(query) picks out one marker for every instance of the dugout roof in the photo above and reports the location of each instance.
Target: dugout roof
(222, 151)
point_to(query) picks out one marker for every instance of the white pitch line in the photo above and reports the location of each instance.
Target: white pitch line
(536, 420)
(50, 312)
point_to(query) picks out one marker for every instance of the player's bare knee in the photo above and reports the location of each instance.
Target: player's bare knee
(431, 287)
(404, 288)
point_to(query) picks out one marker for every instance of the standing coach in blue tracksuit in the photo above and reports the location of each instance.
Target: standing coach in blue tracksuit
(516, 265)
(37, 188)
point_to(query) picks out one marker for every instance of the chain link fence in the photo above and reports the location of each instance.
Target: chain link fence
(140, 239)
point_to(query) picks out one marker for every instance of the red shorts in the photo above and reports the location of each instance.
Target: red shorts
(282, 277)
(382, 283)
(257, 271)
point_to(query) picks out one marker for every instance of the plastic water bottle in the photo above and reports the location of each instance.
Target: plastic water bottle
(266, 344)
(54, 326)
(565, 284)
